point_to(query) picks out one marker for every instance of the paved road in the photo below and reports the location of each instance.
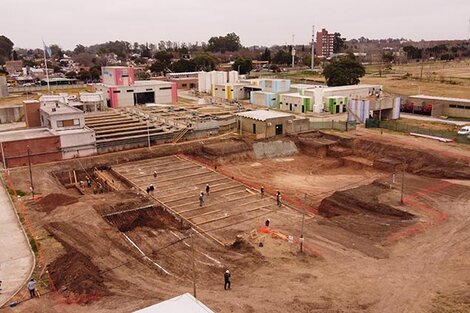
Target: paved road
(16, 258)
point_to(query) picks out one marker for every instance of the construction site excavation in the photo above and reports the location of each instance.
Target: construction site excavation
(308, 222)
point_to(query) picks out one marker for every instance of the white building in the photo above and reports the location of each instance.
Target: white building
(294, 102)
(228, 91)
(120, 89)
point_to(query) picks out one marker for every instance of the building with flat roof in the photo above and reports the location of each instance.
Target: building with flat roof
(265, 123)
(324, 45)
(294, 102)
(120, 89)
(440, 106)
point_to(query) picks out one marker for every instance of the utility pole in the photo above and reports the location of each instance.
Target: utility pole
(303, 222)
(30, 171)
(293, 51)
(313, 48)
(191, 235)
(402, 182)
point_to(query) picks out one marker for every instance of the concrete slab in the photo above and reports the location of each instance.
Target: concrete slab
(16, 257)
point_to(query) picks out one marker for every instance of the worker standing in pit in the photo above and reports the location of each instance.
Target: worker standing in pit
(32, 288)
(201, 198)
(88, 181)
(278, 198)
(207, 189)
(155, 174)
(261, 190)
(227, 279)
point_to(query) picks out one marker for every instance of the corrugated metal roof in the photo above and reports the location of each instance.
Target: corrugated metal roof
(263, 115)
(185, 303)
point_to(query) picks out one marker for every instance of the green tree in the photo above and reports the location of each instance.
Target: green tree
(412, 52)
(182, 65)
(243, 65)
(164, 57)
(282, 57)
(387, 57)
(339, 44)
(344, 71)
(158, 67)
(204, 62)
(266, 55)
(229, 42)
(79, 49)
(71, 74)
(6, 47)
(95, 73)
(84, 75)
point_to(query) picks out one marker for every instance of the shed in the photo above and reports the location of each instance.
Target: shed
(265, 123)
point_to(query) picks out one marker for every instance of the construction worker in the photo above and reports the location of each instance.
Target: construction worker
(155, 174)
(227, 279)
(88, 181)
(150, 189)
(267, 222)
(278, 198)
(32, 288)
(207, 189)
(262, 191)
(201, 198)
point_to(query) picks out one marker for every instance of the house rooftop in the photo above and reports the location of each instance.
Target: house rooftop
(441, 98)
(23, 134)
(263, 115)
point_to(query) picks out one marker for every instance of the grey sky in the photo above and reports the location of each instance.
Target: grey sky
(262, 22)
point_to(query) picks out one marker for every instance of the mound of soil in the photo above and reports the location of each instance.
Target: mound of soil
(152, 217)
(360, 200)
(359, 211)
(54, 200)
(241, 245)
(75, 273)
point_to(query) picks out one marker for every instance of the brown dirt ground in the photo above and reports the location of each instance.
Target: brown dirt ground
(425, 271)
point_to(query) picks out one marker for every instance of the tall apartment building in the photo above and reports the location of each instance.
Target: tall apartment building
(324, 44)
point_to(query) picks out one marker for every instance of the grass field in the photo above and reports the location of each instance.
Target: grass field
(446, 79)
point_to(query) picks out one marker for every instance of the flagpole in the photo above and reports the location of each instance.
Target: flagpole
(47, 71)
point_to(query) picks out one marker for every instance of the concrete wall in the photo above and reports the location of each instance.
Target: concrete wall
(45, 149)
(77, 143)
(10, 114)
(118, 75)
(451, 108)
(31, 113)
(267, 99)
(123, 96)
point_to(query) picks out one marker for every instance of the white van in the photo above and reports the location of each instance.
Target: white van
(465, 131)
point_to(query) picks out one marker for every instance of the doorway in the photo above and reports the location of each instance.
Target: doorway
(279, 129)
(254, 128)
(144, 97)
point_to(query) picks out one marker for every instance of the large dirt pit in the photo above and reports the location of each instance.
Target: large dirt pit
(365, 250)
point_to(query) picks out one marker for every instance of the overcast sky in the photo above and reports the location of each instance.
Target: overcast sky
(261, 22)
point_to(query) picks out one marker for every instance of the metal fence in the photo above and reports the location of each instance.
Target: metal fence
(395, 125)
(335, 125)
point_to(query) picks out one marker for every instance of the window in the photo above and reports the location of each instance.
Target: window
(116, 91)
(76, 122)
(60, 123)
(164, 88)
(130, 90)
(150, 89)
(185, 85)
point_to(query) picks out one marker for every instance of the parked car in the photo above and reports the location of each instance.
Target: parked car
(465, 131)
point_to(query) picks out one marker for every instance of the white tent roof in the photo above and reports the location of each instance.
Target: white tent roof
(185, 303)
